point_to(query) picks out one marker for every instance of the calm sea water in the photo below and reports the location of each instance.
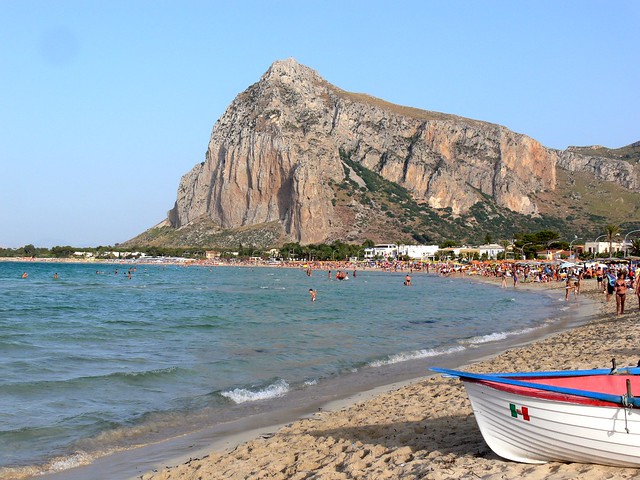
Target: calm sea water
(94, 361)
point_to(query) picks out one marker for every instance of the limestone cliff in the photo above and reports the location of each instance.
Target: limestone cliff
(602, 163)
(274, 156)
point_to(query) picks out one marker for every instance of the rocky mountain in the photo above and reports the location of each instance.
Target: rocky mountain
(294, 158)
(621, 166)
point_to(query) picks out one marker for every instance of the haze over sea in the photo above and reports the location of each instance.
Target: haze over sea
(96, 361)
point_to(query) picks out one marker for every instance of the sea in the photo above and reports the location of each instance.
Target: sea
(109, 357)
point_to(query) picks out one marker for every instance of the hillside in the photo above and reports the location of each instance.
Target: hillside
(295, 158)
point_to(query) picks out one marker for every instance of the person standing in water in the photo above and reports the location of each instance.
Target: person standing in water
(569, 286)
(312, 292)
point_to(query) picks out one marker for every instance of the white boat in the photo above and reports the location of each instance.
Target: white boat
(584, 416)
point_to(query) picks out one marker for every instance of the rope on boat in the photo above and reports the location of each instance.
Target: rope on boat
(627, 403)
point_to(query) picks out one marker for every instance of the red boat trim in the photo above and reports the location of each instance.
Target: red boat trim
(602, 390)
(535, 393)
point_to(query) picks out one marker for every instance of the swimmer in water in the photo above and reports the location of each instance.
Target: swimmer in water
(312, 292)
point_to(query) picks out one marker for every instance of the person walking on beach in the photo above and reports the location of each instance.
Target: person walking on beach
(578, 281)
(637, 290)
(599, 274)
(621, 292)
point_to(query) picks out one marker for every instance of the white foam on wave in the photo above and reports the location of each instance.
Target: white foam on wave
(55, 465)
(497, 336)
(491, 337)
(418, 354)
(242, 395)
(65, 463)
(158, 371)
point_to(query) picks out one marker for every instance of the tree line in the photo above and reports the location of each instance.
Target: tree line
(524, 245)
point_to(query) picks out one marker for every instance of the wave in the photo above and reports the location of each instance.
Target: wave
(415, 355)
(71, 461)
(76, 381)
(463, 345)
(243, 395)
(55, 465)
(497, 336)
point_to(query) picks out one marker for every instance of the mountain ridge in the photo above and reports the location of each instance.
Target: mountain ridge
(278, 155)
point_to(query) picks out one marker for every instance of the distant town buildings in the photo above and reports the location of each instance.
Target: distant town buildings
(596, 248)
(386, 250)
(429, 252)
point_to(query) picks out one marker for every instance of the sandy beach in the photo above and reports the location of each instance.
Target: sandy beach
(425, 429)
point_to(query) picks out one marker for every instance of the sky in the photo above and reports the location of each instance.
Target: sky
(104, 105)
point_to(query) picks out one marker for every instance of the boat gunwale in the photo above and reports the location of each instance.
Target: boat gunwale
(509, 383)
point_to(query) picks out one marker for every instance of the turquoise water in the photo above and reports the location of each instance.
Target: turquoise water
(95, 360)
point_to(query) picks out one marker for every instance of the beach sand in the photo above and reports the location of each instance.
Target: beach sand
(425, 430)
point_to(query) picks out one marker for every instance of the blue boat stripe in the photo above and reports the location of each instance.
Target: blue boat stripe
(606, 397)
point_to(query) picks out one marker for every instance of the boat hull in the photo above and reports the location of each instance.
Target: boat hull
(533, 429)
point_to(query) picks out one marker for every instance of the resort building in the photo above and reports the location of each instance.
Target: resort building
(464, 251)
(550, 254)
(391, 250)
(418, 252)
(596, 248)
(491, 250)
(386, 250)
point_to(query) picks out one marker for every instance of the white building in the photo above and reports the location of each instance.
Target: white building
(384, 250)
(418, 252)
(596, 248)
(491, 250)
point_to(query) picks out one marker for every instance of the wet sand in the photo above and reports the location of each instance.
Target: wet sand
(425, 429)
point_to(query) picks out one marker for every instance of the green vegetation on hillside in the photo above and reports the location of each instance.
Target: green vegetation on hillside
(629, 153)
(427, 225)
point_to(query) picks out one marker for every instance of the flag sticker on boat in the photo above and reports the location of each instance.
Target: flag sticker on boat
(517, 411)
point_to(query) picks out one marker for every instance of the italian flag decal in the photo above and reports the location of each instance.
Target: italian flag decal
(517, 411)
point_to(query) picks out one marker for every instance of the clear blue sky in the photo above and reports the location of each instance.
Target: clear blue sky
(104, 105)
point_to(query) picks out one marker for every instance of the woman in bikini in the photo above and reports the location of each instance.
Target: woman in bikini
(621, 292)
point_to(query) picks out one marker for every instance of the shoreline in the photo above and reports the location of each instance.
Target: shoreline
(424, 428)
(217, 442)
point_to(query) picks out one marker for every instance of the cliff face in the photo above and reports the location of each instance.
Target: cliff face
(604, 168)
(274, 156)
